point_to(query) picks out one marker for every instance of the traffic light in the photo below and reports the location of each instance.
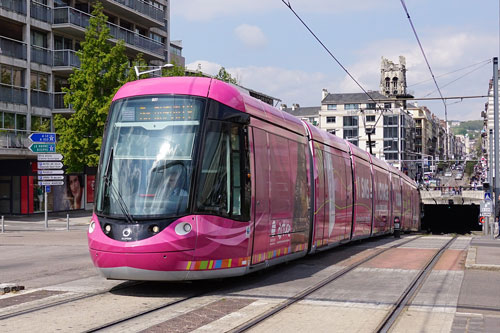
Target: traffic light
(486, 186)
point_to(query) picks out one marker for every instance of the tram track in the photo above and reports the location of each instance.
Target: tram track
(407, 296)
(124, 286)
(303, 294)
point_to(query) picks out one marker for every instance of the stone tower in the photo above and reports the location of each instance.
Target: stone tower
(393, 77)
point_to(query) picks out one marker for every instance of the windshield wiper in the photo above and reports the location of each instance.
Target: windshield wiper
(114, 192)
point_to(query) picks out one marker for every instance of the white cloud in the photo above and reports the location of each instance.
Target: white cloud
(203, 10)
(291, 86)
(251, 36)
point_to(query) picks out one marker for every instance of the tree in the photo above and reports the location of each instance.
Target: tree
(104, 68)
(223, 75)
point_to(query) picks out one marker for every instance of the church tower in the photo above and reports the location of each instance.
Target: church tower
(393, 77)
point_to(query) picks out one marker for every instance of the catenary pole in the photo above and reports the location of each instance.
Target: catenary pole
(495, 136)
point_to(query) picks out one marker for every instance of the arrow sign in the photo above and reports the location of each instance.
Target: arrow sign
(43, 137)
(51, 182)
(50, 172)
(49, 157)
(50, 177)
(43, 147)
(49, 165)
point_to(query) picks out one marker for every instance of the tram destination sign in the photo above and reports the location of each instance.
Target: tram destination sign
(49, 157)
(57, 177)
(49, 165)
(51, 182)
(43, 147)
(43, 137)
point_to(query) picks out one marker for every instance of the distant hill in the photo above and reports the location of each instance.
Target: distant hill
(472, 127)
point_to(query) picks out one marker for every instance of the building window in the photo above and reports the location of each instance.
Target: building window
(11, 76)
(391, 156)
(38, 39)
(350, 121)
(330, 120)
(387, 105)
(370, 119)
(351, 106)
(390, 132)
(157, 38)
(39, 81)
(331, 106)
(371, 106)
(62, 43)
(351, 134)
(390, 120)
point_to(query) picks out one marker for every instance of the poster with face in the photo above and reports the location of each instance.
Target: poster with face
(70, 195)
(90, 188)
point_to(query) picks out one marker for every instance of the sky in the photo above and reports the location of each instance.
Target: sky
(265, 47)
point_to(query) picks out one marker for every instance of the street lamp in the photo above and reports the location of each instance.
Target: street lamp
(155, 68)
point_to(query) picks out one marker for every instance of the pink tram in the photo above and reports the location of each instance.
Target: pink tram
(199, 180)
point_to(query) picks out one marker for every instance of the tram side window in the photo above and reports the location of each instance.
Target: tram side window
(223, 185)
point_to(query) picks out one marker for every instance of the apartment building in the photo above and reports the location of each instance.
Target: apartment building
(38, 44)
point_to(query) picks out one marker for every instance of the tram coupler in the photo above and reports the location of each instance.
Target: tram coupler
(397, 228)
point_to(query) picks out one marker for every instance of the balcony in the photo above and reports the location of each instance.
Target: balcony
(65, 61)
(41, 12)
(13, 48)
(144, 13)
(79, 20)
(14, 139)
(14, 6)
(59, 106)
(12, 94)
(41, 55)
(42, 99)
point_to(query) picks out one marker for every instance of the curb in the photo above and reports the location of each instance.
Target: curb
(470, 262)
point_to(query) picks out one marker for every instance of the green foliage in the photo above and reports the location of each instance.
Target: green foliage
(223, 75)
(469, 167)
(468, 127)
(104, 68)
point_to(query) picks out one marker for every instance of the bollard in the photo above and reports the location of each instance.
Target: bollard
(397, 228)
(67, 221)
(3, 227)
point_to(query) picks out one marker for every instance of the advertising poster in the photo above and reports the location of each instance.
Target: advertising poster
(70, 195)
(90, 188)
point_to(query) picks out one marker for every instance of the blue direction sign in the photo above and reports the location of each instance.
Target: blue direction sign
(43, 147)
(43, 137)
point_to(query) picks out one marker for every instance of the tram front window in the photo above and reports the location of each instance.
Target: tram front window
(147, 162)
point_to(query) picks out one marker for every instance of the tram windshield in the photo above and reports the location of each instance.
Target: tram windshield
(148, 158)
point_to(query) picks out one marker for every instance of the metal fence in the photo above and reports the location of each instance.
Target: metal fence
(14, 5)
(41, 99)
(13, 48)
(73, 16)
(41, 12)
(66, 58)
(11, 94)
(143, 8)
(41, 55)
(14, 139)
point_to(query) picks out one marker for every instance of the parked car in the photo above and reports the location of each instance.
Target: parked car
(448, 174)
(459, 176)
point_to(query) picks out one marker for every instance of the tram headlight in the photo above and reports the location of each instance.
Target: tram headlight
(107, 229)
(155, 229)
(183, 228)
(91, 226)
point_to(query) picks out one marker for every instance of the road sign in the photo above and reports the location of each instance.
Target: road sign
(47, 189)
(486, 208)
(51, 172)
(51, 182)
(481, 220)
(487, 196)
(43, 137)
(43, 147)
(49, 157)
(49, 165)
(50, 177)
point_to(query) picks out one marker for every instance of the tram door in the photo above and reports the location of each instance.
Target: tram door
(261, 216)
